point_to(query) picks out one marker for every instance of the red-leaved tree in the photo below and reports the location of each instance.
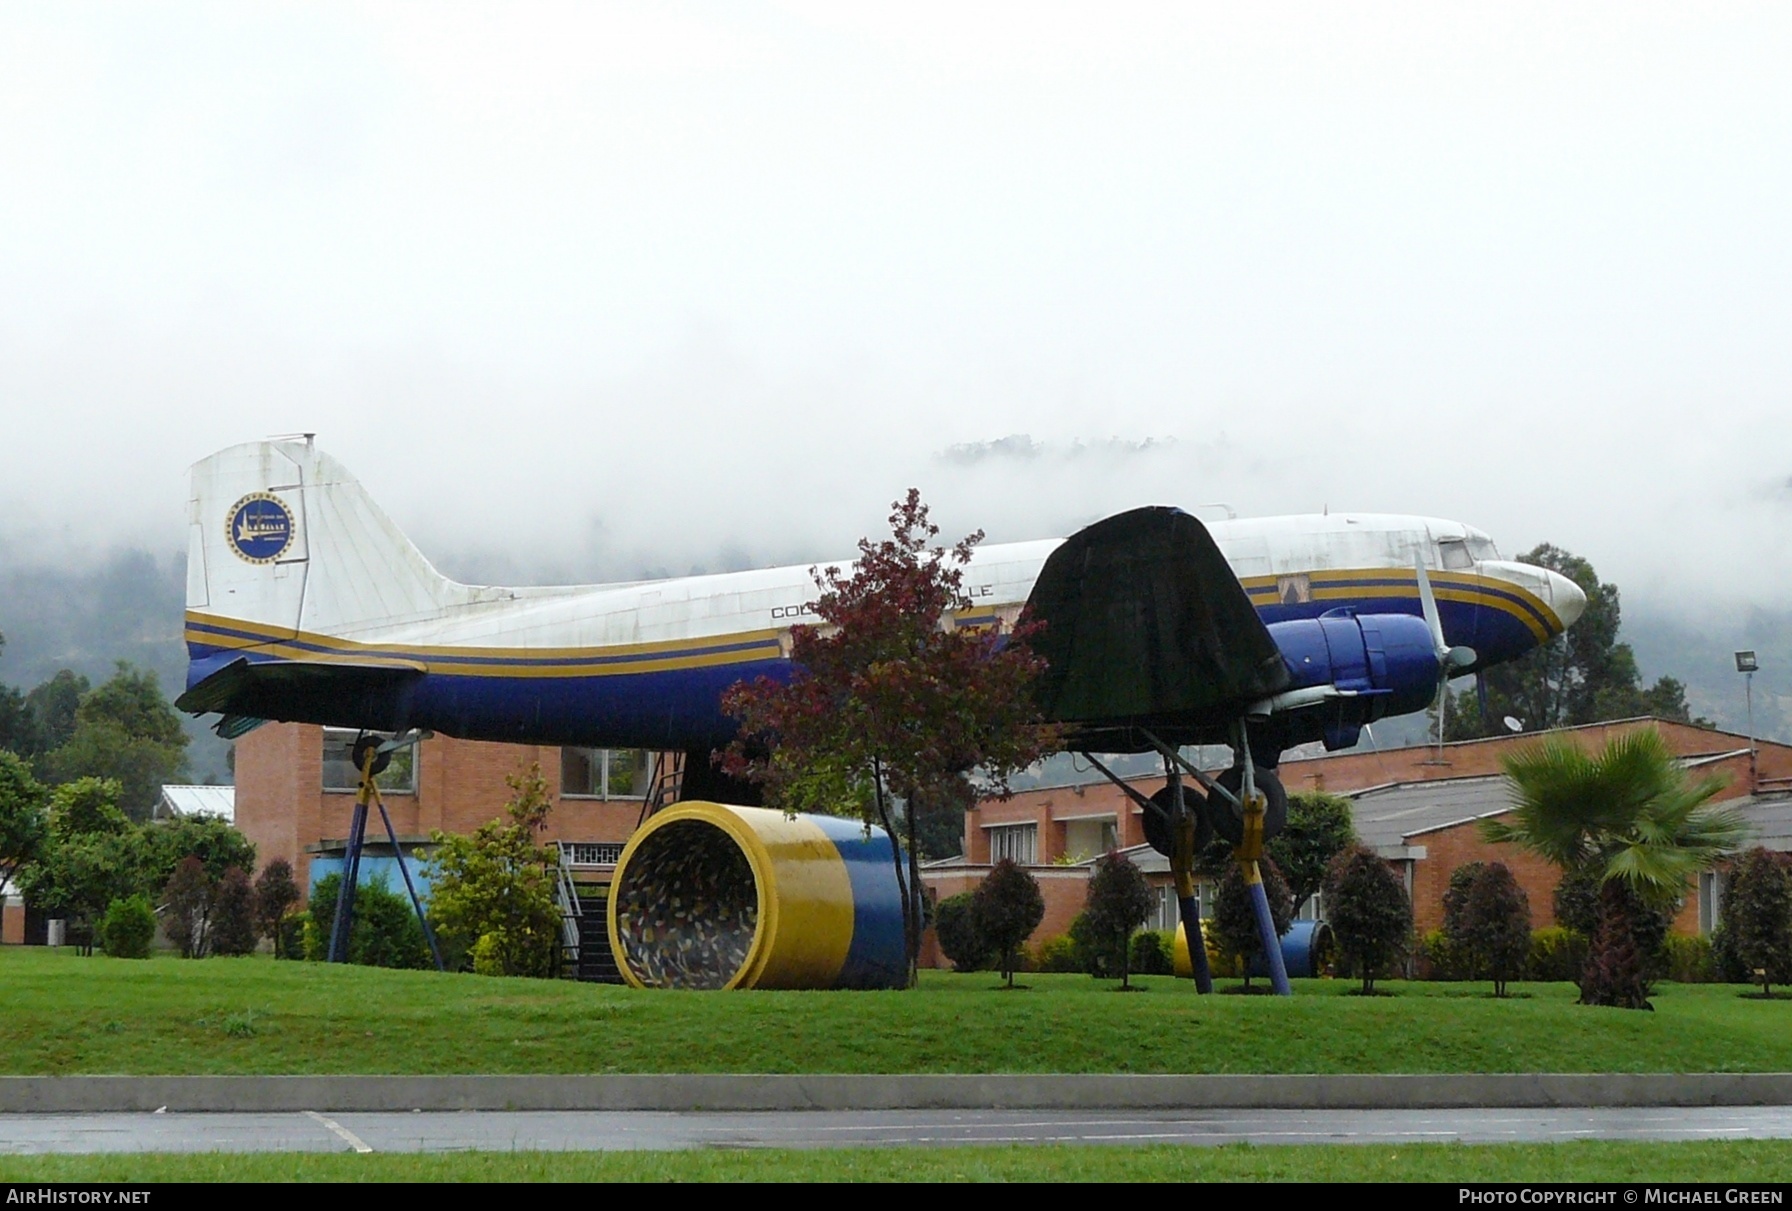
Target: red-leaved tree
(890, 698)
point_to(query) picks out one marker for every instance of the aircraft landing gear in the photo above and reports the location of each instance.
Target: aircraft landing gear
(1228, 816)
(1252, 801)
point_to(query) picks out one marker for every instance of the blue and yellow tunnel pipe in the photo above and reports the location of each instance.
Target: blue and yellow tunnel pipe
(1307, 951)
(711, 896)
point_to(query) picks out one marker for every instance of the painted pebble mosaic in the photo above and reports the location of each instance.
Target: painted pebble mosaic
(687, 908)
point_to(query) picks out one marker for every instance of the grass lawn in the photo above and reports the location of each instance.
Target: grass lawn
(1764, 1161)
(67, 1014)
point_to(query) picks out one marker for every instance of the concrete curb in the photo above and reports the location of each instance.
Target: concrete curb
(673, 1092)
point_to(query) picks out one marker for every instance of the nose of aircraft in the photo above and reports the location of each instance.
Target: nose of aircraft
(1556, 591)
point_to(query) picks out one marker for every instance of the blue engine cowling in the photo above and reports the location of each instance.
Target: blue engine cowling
(1386, 661)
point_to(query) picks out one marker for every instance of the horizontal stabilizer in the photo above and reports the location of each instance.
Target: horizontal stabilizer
(1145, 625)
(335, 692)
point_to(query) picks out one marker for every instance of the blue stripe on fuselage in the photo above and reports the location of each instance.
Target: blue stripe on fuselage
(681, 708)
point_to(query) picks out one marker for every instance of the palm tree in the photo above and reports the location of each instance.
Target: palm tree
(1632, 813)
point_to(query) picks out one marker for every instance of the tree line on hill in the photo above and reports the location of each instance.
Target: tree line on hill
(123, 729)
(1584, 675)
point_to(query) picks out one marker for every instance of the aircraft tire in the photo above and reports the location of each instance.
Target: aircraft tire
(1228, 821)
(359, 754)
(1157, 828)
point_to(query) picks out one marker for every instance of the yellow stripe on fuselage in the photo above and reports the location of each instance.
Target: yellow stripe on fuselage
(1467, 590)
(758, 645)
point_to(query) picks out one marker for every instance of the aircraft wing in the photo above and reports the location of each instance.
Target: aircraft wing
(1145, 625)
(348, 694)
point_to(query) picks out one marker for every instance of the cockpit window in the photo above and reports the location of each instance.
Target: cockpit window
(1453, 553)
(1483, 550)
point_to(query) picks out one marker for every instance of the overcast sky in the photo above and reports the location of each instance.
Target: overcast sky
(587, 288)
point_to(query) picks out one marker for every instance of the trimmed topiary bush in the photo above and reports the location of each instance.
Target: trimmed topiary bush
(1370, 913)
(1494, 925)
(233, 915)
(1119, 902)
(1757, 916)
(956, 930)
(1007, 907)
(128, 928)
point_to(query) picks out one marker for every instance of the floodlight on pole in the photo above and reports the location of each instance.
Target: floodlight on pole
(1746, 664)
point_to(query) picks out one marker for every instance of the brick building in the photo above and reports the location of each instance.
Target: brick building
(295, 793)
(1417, 807)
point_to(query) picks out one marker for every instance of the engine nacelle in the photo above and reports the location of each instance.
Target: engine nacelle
(1384, 664)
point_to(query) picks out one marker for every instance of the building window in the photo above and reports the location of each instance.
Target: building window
(1168, 913)
(1313, 909)
(1089, 838)
(603, 773)
(341, 776)
(1015, 842)
(1711, 900)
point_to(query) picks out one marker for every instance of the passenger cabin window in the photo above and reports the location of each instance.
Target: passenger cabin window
(603, 773)
(341, 776)
(1453, 554)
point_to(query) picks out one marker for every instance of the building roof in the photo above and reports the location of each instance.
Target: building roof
(1769, 818)
(1388, 816)
(219, 801)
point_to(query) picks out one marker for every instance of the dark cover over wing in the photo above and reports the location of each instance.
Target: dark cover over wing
(1145, 625)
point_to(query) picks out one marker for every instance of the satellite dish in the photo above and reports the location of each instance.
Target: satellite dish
(1514, 725)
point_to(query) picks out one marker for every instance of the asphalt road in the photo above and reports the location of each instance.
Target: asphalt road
(311, 1131)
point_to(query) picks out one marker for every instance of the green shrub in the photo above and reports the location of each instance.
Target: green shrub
(1726, 963)
(1558, 953)
(291, 943)
(1153, 952)
(1094, 955)
(1690, 960)
(1058, 953)
(385, 931)
(128, 928)
(956, 930)
(1437, 958)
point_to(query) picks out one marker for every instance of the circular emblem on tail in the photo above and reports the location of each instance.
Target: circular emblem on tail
(260, 527)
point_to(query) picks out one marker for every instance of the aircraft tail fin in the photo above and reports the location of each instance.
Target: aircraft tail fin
(283, 543)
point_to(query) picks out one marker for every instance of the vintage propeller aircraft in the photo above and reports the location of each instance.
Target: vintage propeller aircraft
(305, 603)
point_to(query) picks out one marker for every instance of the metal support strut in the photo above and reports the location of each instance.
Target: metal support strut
(1182, 863)
(1247, 854)
(1182, 870)
(351, 866)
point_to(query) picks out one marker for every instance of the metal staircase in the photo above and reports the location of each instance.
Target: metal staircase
(666, 785)
(584, 906)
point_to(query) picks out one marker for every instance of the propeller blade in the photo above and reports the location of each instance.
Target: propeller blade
(1428, 607)
(1449, 659)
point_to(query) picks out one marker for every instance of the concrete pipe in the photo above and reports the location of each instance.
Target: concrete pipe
(708, 895)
